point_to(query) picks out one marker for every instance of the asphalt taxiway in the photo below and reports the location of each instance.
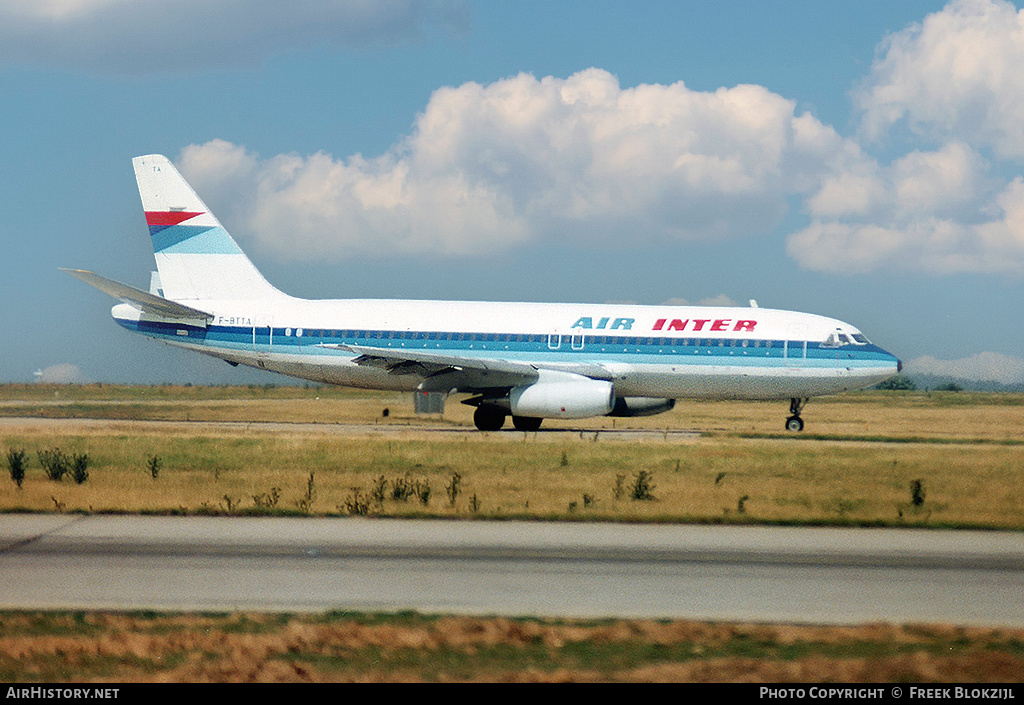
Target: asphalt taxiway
(776, 574)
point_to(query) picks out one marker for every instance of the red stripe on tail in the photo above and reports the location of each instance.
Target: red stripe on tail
(169, 218)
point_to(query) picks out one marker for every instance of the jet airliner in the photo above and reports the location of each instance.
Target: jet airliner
(530, 361)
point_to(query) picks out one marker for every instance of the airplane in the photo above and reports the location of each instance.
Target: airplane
(530, 361)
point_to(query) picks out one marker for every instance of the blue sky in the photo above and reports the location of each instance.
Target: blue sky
(857, 160)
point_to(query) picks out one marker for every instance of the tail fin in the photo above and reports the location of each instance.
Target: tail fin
(196, 257)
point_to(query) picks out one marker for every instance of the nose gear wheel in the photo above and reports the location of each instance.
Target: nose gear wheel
(794, 422)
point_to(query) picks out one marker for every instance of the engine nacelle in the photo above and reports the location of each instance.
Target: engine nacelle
(641, 406)
(562, 395)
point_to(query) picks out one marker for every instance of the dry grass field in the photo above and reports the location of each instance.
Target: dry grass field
(104, 647)
(872, 458)
(940, 460)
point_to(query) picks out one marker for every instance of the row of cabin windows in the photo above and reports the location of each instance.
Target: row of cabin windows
(527, 338)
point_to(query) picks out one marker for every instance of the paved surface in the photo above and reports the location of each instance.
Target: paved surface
(512, 568)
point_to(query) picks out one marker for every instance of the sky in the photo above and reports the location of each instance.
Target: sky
(857, 160)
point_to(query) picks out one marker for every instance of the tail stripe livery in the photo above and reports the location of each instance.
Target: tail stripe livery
(192, 239)
(196, 257)
(158, 220)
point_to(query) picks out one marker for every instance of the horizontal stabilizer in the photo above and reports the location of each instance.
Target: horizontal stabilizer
(143, 300)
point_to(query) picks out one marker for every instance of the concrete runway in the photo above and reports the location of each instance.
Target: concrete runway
(844, 576)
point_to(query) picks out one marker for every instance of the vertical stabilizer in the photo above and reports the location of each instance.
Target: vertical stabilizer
(196, 257)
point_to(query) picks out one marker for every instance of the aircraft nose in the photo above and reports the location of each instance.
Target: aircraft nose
(899, 365)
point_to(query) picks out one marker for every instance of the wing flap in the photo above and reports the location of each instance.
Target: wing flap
(446, 372)
(428, 357)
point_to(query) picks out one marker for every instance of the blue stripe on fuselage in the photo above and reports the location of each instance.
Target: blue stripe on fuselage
(702, 351)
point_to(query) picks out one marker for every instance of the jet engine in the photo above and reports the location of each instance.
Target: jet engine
(562, 395)
(641, 406)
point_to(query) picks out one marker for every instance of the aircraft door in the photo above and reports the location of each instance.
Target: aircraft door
(795, 349)
(573, 340)
(577, 339)
(262, 333)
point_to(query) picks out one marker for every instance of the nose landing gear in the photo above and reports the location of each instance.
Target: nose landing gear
(794, 422)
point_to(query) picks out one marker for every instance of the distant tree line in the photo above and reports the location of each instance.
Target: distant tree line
(905, 383)
(897, 383)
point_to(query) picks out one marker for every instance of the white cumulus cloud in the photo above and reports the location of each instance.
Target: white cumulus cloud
(938, 212)
(955, 79)
(935, 211)
(959, 75)
(581, 159)
(523, 159)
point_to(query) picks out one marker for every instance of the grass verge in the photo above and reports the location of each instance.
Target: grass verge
(58, 647)
(355, 460)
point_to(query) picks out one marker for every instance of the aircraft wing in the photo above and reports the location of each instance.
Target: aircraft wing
(445, 372)
(142, 300)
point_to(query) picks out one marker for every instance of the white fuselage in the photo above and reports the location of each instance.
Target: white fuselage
(645, 351)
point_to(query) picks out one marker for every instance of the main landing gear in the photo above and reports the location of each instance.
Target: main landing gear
(488, 418)
(794, 422)
(527, 424)
(492, 418)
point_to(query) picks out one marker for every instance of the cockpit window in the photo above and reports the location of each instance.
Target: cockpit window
(838, 338)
